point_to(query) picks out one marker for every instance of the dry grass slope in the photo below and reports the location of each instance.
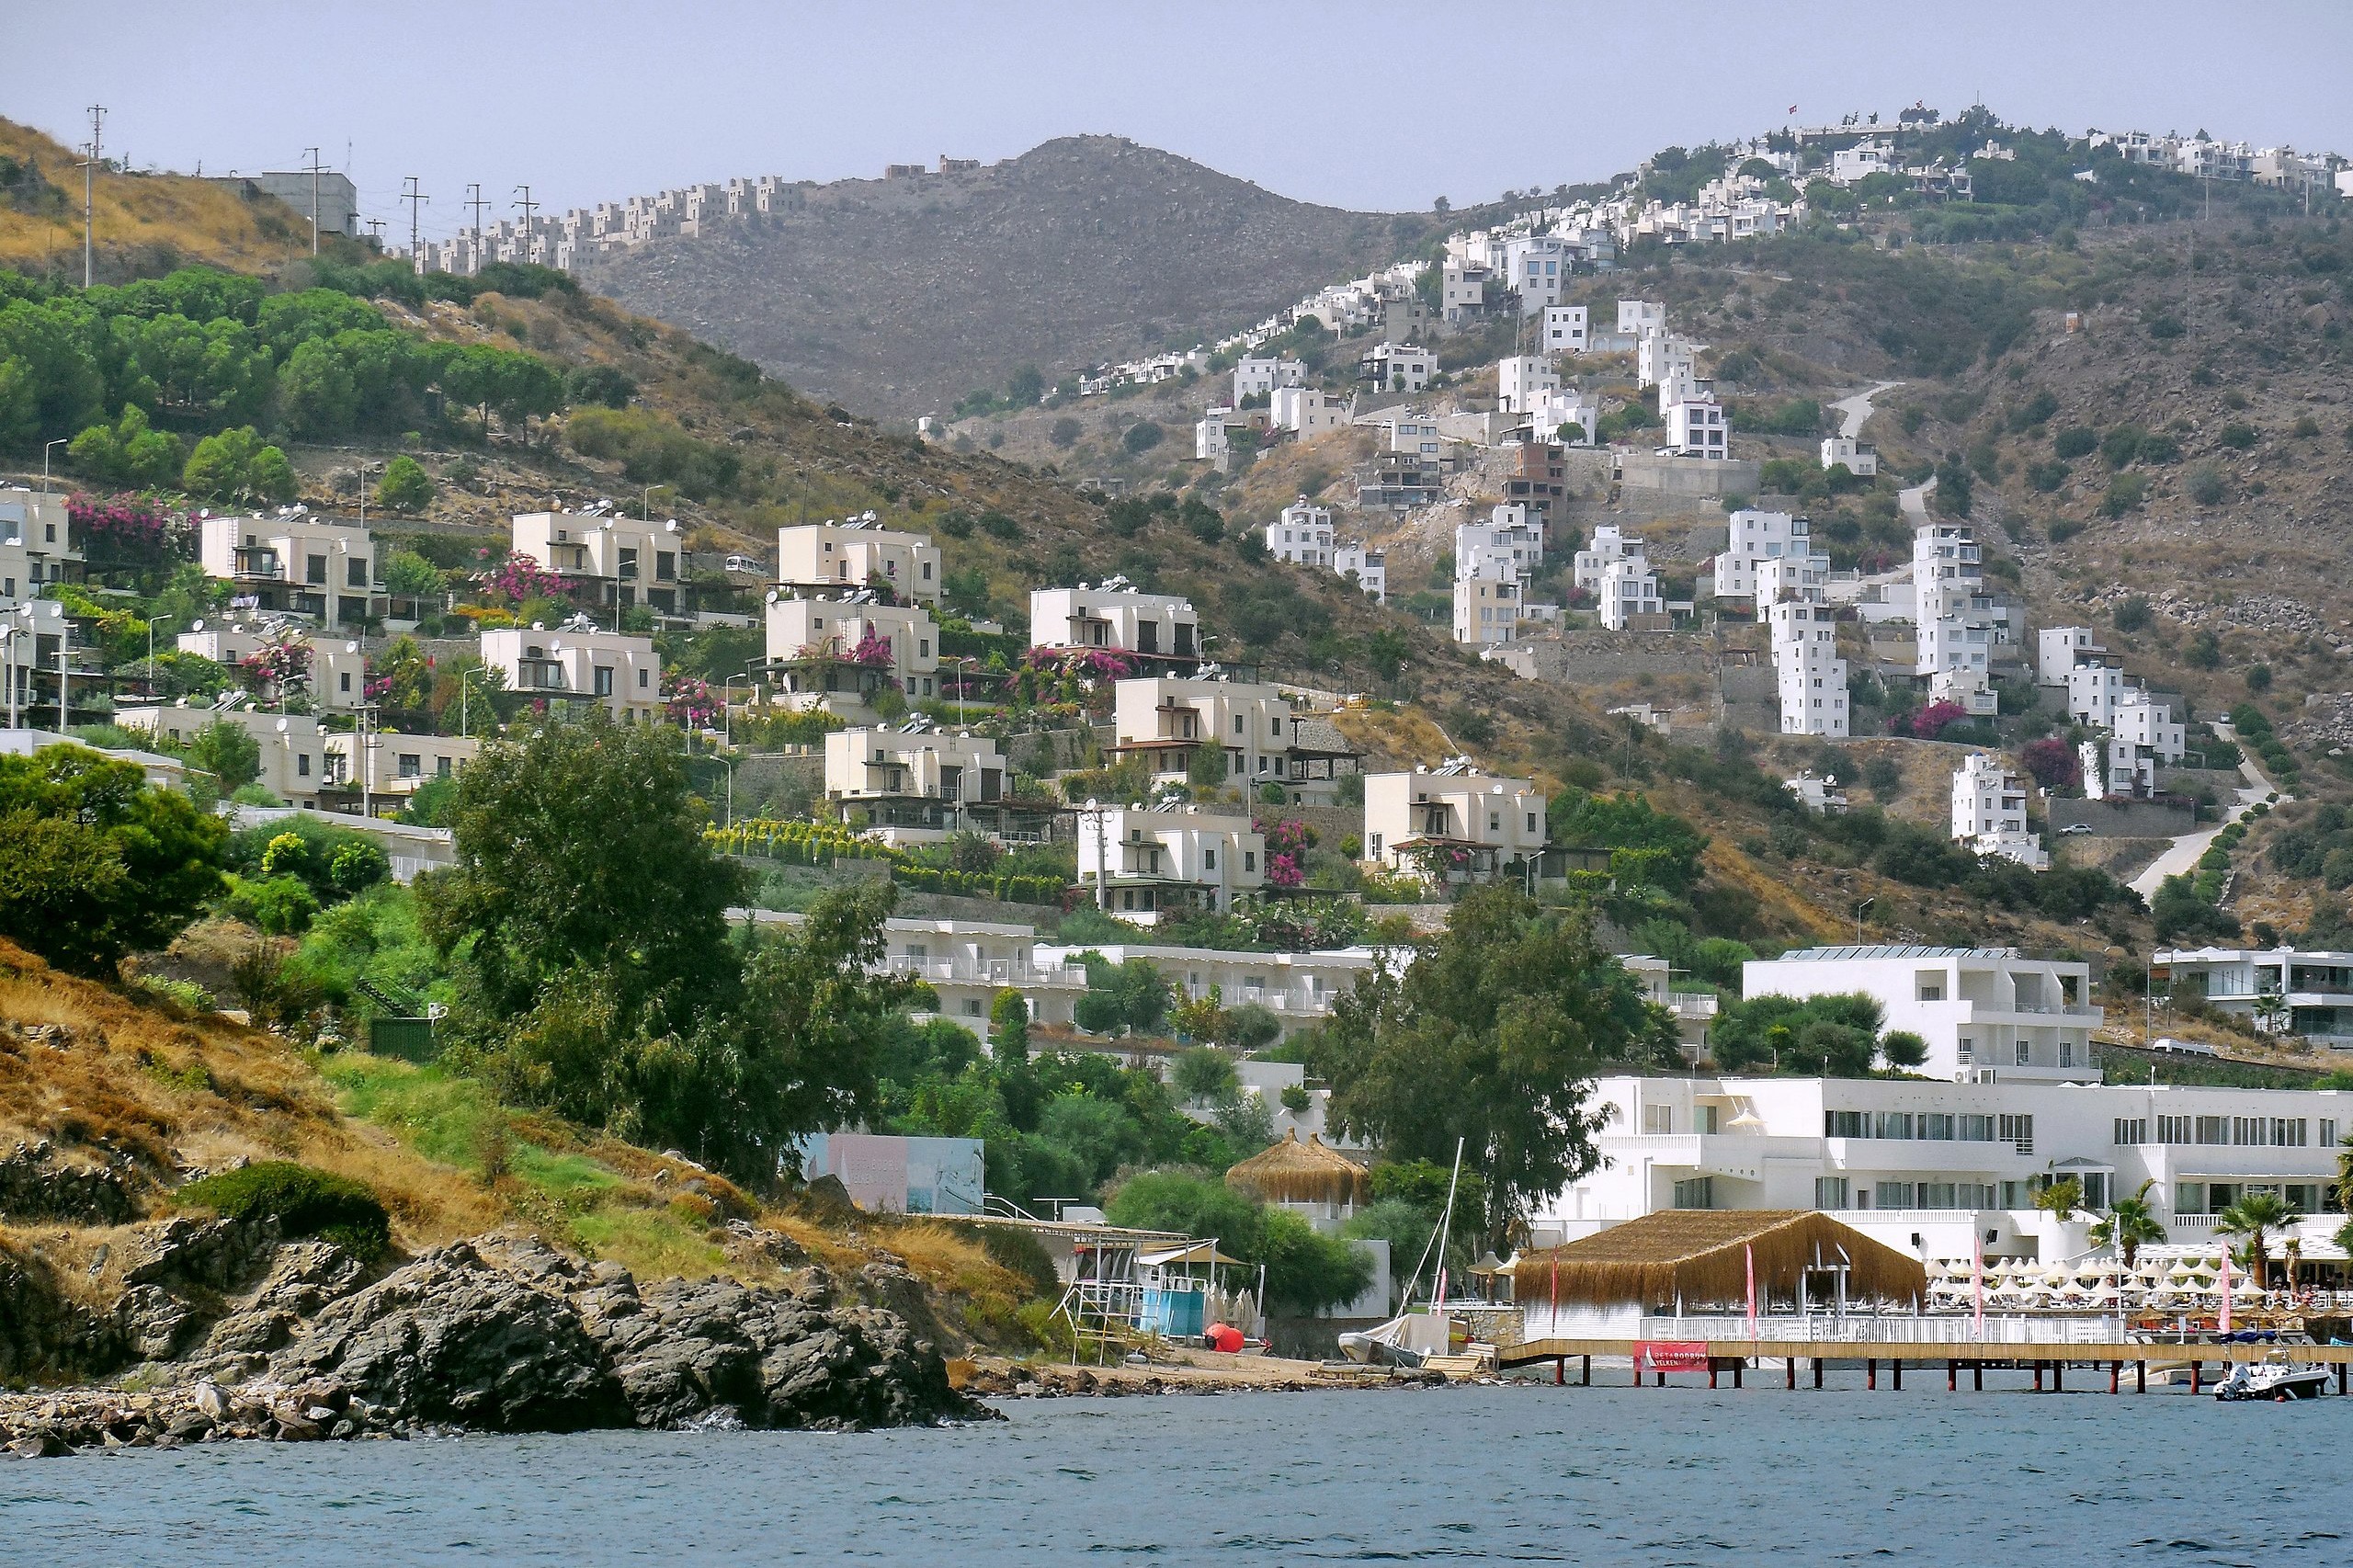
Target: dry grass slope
(137, 215)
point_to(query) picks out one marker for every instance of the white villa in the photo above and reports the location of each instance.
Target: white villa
(1139, 862)
(1989, 812)
(573, 666)
(1754, 536)
(1452, 823)
(1987, 1014)
(1301, 534)
(1151, 631)
(2306, 991)
(857, 552)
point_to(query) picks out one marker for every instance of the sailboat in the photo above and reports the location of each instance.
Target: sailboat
(1411, 1338)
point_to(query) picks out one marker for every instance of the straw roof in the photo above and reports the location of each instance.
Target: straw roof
(1293, 1172)
(1702, 1254)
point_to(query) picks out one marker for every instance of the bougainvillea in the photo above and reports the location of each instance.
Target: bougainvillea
(1930, 721)
(873, 650)
(280, 666)
(129, 529)
(1287, 845)
(689, 700)
(2052, 762)
(519, 578)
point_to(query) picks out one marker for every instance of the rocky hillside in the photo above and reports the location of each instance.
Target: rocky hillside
(897, 297)
(307, 1247)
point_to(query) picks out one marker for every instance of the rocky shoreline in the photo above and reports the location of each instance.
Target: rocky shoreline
(235, 1335)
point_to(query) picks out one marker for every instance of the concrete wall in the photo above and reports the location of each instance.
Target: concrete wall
(1690, 476)
(1588, 656)
(2123, 819)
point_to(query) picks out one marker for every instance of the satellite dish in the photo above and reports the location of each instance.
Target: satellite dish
(351, 647)
(537, 626)
(198, 627)
(670, 526)
(773, 595)
(283, 726)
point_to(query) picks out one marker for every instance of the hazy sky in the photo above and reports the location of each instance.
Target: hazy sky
(1362, 104)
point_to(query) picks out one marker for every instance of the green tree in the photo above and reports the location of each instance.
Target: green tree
(1490, 1036)
(580, 847)
(2256, 1217)
(229, 752)
(1204, 1074)
(2060, 1198)
(128, 452)
(1009, 1028)
(1307, 1272)
(1026, 385)
(317, 392)
(1141, 436)
(1902, 1047)
(410, 575)
(236, 465)
(405, 488)
(95, 862)
(2128, 1226)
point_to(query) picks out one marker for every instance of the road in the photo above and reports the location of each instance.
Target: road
(2183, 857)
(1915, 501)
(1858, 408)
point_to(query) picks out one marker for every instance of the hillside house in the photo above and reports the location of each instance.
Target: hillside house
(1507, 547)
(1369, 569)
(841, 654)
(917, 784)
(857, 552)
(1414, 435)
(572, 667)
(293, 745)
(1754, 536)
(1522, 379)
(1487, 611)
(1847, 452)
(1142, 862)
(1259, 377)
(1810, 678)
(1301, 534)
(1696, 428)
(617, 561)
(1539, 478)
(36, 545)
(294, 563)
(1564, 329)
(1538, 266)
(1154, 634)
(1985, 1011)
(385, 767)
(1307, 412)
(1610, 543)
(1630, 597)
(1453, 822)
(1989, 812)
(1463, 287)
(2058, 649)
(1636, 317)
(1210, 443)
(1399, 366)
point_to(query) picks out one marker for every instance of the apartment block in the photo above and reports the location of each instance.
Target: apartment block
(614, 560)
(857, 552)
(1986, 1013)
(840, 654)
(571, 669)
(1155, 633)
(1453, 822)
(1989, 812)
(294, 563)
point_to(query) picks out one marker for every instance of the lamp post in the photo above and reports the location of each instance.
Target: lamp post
(61, 440)
(612, 549)
(1859, 919)
(365, 468)
(463, 677)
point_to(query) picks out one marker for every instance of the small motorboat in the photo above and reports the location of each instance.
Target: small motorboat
(2277, 1379)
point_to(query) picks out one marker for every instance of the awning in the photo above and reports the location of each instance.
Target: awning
(1196, 1252)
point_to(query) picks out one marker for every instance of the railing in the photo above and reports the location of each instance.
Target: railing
(1856, 1328)
(1692, 1003)
(988, 971)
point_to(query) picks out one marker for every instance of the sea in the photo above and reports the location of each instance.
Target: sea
(1511, 1473)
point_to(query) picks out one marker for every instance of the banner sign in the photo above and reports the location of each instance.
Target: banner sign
(1670, 1355)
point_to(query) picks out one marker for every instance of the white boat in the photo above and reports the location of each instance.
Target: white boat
(1405, 1341)
(2275, 1378)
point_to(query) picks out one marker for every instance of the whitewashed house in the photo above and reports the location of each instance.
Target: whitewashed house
(1301, 534)
(572, 668)
(1989, 812)
(1754, 536)
(1307, 411)
(1259, 377)
(1847, 452)
(1564, 329)
(857, 552)
(1629, 596)
(1400, 366)
(294, 563)
(1521, 380)
(1453, 822)
(1142, 862)
(1153, 632)
(1696, 428)
(841, 654)
(1368, 568)
(1487, 611)
(621, 562)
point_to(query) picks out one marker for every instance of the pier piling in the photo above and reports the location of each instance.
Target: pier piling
(1977, 1377)
(2141, 1377)
(2058, 1377)
(2037, 1377)
(1588, 1372)
(1871, 1374)
(2115, 1372)
(1817, 1371)
(2194, 1369)
(1560, 1370)
(1952, 1377)
(1793, 1372)
(1897, 1364)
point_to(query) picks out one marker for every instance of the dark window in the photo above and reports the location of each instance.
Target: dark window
(354, 572)
(604, 680)
(666, 566)
(314, 569)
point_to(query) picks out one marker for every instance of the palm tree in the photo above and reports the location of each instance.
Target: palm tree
(2060, 1199)
(2130, 1225)
(2256, 1216)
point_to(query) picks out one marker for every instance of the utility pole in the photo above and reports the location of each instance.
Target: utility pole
(416, 198)
(314, 155)
(89, 191)
(528, 207)
(474, 199)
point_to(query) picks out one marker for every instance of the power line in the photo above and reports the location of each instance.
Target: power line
(416, 198)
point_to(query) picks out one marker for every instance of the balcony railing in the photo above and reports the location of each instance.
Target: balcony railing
(985, 971)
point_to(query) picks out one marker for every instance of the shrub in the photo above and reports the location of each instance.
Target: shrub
(1142, 438)
(2132, 615)
(2237, 436)
(2207, 485)
(405, 488)
(304, 1202)
(2074, 442)
(2125, 492)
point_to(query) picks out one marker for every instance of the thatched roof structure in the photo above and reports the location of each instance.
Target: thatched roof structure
(1701, 1255)
(1293, 1172)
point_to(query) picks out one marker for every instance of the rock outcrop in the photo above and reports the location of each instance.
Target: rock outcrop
(494, 1334)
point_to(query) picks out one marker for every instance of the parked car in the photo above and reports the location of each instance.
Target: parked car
(2074, 827)
(743, 563)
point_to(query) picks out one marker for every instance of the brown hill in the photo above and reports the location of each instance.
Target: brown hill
(899, 296)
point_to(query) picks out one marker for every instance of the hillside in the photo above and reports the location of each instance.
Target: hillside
(142, 224)
(897, 297)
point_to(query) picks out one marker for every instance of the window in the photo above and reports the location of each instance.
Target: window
(2131, 1129)
(354, 572)
(346, 680)
(604, 680)
(1844, 1124)
(643, 680)
(1892, 1124)
(2328, 1133)
(441, 768)
(2066, 1054)
(2173, 1130)
(1894, 1195)
(1966, 1051)
(1976, 1129)
(1830, 1192)
(411, 764)
(2018, 1130)
(1209, 859)
(1700, 1192)
(2212, 1129)
(314, 569)
(303, 764)
(1931, 988)
(1937, 1125)
(1249, 860)
(1658, 1120)
(2025, 1054)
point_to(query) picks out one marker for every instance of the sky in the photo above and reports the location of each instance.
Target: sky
(1366, 105)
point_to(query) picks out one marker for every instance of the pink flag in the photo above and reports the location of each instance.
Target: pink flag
(2226, 1292)
(1751, 1253)
(1977, 1278)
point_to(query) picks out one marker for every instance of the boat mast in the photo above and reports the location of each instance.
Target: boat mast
(1446, 1226)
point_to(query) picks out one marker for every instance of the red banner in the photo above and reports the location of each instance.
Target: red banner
(1670, 1355)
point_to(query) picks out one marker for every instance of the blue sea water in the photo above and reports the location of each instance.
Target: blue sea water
(1518, 1474)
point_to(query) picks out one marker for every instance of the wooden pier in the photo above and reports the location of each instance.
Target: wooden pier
(1716, 1357)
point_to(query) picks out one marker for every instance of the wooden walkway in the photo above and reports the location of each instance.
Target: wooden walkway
(1735, 1356)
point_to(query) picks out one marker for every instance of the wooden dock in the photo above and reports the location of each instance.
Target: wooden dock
(1715, 1358)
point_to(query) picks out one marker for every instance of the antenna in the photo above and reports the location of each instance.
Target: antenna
(312, 154)
(89, 187)
(416, 198)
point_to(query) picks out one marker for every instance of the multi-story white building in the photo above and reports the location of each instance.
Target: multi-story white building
(36, 543)
(2059, 648)
(567, 668)
(1301, 534)
(1609, 544)
(2298, 991)
(1259, 377)
(387, 765)
(1453, 822)
(618, 561)
(967, 962)
(1847, 452)
(1307, 411)
(1521, 380)
(1958, 626)
(294, 563)
(1943, 1170)
(2095, 687)
(1756, 536)
(1487, 611)
(1150, 632)
(1564, 329)
(839, 653)
(1400, 366)
(1507, 547)
(1412, 433)
(1696, 428)
(293, 762)
(1630, 594)
(857, 552)
(1298, 988)
(1208, 438)
(1538, 266)
(1140, 862)
(1810, 678)
(1369, 569)
(1986, 1013)
(1872, 156)
(1989, 812)
(1464, 291)
(1552, 414)
(1165, 719)
(1636, 317)
(918, 784)
(1661, 360)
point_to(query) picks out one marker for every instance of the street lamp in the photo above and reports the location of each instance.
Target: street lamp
(612, 549)
(61, 440)
(1859, 919)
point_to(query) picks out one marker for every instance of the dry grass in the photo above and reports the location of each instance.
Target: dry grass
(1396, 739)
(197, 221)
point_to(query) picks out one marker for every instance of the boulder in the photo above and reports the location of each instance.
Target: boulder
(35, 1185)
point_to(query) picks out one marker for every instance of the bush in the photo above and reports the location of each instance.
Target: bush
(2075, 442)
(1142, 438)
(281, 905)
(2125, 494)
(2207, 485)
(304, 1202)
(2237, 436)
(405, 488)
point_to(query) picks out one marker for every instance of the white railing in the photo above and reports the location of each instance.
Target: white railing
(1855, 1328)
(1692, 1003)
(991, 971)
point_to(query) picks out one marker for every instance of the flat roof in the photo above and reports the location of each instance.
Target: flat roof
(1829, 955)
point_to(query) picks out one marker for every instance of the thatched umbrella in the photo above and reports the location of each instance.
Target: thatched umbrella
(1293, 1172)
(1703, 1254)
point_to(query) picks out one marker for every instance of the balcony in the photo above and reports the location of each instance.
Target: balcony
(1013, 973)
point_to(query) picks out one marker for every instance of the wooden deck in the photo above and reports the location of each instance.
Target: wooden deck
(1737, 1356)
